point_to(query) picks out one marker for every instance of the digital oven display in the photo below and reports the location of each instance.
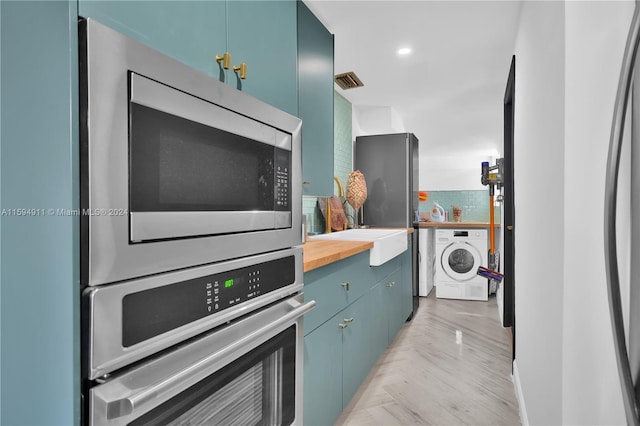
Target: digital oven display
(149, 313)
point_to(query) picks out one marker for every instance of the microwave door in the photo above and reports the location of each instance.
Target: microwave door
(199, 169)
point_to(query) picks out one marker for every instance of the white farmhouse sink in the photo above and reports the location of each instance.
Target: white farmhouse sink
(387, 243)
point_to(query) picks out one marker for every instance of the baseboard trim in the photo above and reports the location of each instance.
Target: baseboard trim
(519, 395)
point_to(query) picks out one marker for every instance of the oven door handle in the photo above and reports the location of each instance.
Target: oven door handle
(185, 378)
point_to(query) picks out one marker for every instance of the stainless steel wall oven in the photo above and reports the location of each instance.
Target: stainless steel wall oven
(191, 268)
(248, 371)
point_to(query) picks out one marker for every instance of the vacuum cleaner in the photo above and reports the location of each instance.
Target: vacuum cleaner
(492, 176)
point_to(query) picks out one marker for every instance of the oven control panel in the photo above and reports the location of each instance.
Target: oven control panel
(149, 313)
(282, 174)
(282, 187)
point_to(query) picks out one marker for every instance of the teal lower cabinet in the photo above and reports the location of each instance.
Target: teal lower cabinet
(350, 328)
(357, 345)
(323, 375)
(393, 286)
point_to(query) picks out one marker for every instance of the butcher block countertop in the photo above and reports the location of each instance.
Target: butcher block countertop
(466, 225)
(318, 253)
(323, 252)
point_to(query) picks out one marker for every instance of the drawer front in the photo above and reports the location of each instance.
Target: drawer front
(328, 287)
(384, 270)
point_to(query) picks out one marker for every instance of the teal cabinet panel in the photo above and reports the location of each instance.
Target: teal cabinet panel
(356, 360)
(380, 304)
(40, 302)
(323, 375)
(367, 318)
(328, 287)
(393, 284)
(382, 271)
(193, 32)
(263, 34)
(315, 102)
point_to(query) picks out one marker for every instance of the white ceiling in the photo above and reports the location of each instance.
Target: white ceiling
(449, 91)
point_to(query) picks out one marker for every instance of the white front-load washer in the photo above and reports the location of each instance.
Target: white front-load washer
(459, 252)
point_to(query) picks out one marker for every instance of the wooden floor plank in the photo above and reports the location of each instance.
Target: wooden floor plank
(451, 365)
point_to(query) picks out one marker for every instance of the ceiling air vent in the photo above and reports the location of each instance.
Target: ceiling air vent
(348, 80)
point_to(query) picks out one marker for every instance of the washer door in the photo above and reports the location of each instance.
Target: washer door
(460, 261)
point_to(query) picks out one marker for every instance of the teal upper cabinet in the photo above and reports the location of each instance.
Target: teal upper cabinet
(193, 32)
(315, 98)
(260, 34)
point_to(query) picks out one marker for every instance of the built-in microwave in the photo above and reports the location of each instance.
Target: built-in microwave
(177, 168)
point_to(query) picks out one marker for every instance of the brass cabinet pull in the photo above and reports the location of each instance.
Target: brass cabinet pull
(345, 285)
(224, 60)
(348, 319)
(342, 326)
(509, 227)
(242, 68)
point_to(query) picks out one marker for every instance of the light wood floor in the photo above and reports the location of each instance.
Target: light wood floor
(451, 365)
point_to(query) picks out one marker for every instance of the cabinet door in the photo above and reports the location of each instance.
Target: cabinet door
(380, 306)
(315, 107)
(395, 295)
(357, 342)
(193, 32)
(323, 375)
(328, 287)
(263, 34)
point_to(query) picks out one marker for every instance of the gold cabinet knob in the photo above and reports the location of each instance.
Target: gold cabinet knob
(241, 70)
(224, 60)
(509, 227)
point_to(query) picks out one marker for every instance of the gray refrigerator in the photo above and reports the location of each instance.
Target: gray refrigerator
(390, 167)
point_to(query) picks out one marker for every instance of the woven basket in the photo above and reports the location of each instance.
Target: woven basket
(356, 189)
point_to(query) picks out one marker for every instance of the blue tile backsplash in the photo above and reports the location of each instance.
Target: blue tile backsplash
(474, 204)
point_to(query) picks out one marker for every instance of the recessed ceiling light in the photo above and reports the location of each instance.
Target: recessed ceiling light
(404, 51)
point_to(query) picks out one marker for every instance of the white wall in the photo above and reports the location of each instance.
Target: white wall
(437, 173)
(568, 59)
(595, 35)
(452, 173)
(370, 120)
(539, 208)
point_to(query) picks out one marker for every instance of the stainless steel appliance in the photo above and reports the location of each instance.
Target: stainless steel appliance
(390, 165)
(247, 372)
(178, 169)
(191, 268)
(128, 321)
(216, 344)
(627, 342)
